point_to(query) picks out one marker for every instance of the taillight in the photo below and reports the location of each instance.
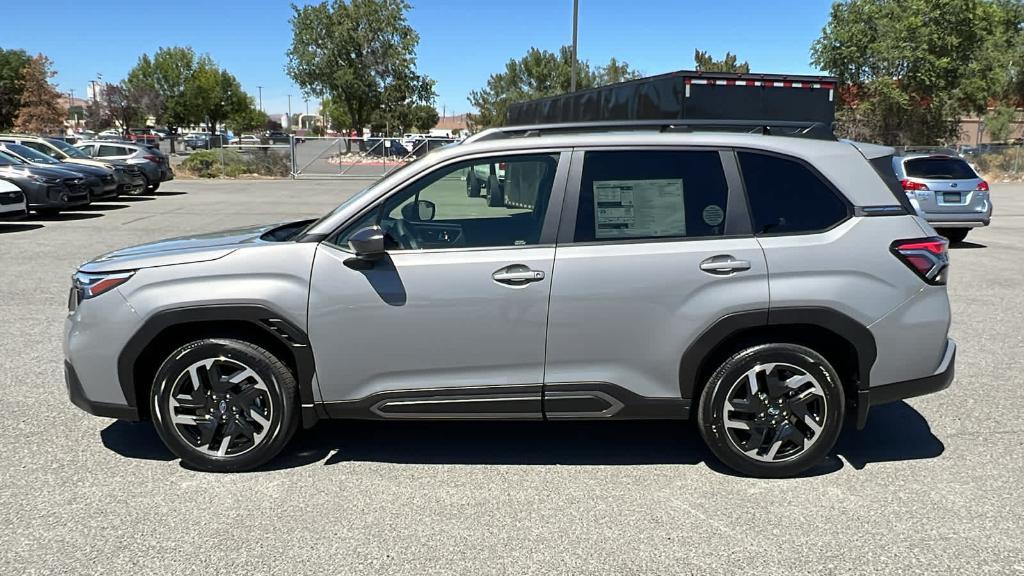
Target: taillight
(153, 158)
(983, 187)
(927, 257)
(910, 185)
(502, 165)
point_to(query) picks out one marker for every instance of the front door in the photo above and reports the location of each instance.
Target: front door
(655, 246)
(452, 321)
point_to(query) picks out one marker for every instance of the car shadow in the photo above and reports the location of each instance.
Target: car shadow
(64, 216)
(135, 198)
(965, 245)
(13, 227)
(168, 193)
(894, 432)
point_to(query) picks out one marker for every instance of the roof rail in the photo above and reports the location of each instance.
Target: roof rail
(815, 130)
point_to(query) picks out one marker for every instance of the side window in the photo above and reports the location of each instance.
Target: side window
(786, 197)
(106, 150)
(651, 194)
(481, 203)
(87, 149)
(39, 148)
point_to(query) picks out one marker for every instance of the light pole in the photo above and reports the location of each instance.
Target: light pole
(260, 88)
(290, 127)
(575, 21)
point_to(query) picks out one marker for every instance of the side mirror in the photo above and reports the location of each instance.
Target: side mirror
(419, 211)
(367, 243)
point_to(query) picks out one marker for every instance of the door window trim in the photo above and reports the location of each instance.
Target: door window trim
(737, 215)
(549, 228)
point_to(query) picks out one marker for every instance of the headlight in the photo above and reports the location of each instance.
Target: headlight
(92, 285)
(46, 179)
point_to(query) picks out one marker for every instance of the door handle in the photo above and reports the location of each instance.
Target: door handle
(517, 274)
(724, 265)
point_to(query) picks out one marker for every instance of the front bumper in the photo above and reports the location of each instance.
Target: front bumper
(104, 409)
(883, 394)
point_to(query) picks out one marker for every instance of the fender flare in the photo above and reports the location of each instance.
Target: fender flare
(729, 325)
(261, 317)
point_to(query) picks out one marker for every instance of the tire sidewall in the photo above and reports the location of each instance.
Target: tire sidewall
(280, 386)
(712, 402)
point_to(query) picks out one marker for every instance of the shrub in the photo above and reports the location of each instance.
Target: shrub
(232, 164)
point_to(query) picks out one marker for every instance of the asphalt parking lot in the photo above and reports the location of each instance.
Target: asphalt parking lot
(933, 485)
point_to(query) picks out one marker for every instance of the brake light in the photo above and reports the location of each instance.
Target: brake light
(983, 187)
(153, 158)
(502, 165)
(910, 185)
(927, 257)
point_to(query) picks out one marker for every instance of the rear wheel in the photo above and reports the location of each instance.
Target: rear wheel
(954, 235)
(772, 410)
(224, 405)
(153, 187)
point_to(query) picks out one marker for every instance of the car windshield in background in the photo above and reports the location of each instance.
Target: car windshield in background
(68, 149)
(31, 155)
(6, 160)
(939, 168)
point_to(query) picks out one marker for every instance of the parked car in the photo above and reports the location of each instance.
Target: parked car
(278, 137)
(47, 190)
(110, 134)
(12, 201)
(101, 181)
(412, 301)
(143, 136)
(946, 191)
(129, 178)
(245, 140)
(385, 147)
(154, 164)
(205, 141)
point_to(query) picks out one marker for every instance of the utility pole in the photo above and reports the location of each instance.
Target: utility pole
(260, 88)
(290, 127)
(575, 22)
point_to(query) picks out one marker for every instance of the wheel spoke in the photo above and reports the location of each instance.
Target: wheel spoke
(207, 429)
(756, 439)
(257, 416)
(224, 444)
(238, 378)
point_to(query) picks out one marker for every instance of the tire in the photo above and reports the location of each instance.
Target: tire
(954, 235)
(472, 184)
(796, 419)
(495, 193)
(153, 187)
(239, 415)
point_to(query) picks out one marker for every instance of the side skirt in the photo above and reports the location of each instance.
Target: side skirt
(557, 401)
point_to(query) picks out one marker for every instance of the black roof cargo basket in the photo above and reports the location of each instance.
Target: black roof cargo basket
(717, 100)
(815, 130)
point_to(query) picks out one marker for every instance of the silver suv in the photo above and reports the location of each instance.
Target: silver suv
(945, 191)
(769, 288)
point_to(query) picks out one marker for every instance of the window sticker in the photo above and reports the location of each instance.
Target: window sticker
(639, 208)
(713, 215)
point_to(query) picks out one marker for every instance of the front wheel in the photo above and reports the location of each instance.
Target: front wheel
(954, 235)
(224, 405)
(772, 410)
(153, 187)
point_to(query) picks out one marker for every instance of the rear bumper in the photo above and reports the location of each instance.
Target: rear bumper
(104, 409)
(936, 382)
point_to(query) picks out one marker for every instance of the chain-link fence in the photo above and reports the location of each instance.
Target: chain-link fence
(353, 157)
(996, 161)
(241, 159)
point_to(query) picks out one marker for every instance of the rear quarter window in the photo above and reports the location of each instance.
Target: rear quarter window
(786, 197)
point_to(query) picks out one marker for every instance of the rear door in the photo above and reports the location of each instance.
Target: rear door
(654, 247)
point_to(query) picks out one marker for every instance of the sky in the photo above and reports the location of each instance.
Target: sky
(462, 42)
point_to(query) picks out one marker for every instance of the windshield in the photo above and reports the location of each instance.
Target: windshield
(69, 149)
(939, 168)
(6, 160)
(30, 154)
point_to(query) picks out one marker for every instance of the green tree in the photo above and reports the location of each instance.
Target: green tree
(165, 76)
(214, 94)
(41, 111)
(539, 74)
(910, 68)
(336, 114)
(12, 67)
(361, 54)
(999, 122)
(705, 62)
(248, 119)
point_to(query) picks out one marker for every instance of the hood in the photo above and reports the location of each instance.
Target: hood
(96, 163)
(181, 250)
(38, 170)
(85, 169)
